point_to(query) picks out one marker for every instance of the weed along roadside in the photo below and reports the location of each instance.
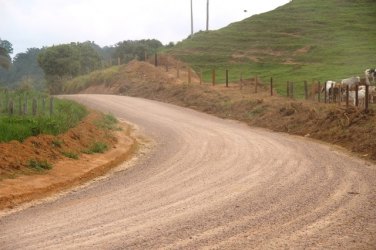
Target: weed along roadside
(38, 166)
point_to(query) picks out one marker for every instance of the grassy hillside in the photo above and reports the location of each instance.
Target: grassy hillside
(302, 40)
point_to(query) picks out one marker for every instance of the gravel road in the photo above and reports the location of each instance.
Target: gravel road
(208, 183)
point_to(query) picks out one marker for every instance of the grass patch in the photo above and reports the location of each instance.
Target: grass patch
(67, 114)
(108, 122)
(71, 155)
(39, 165)
(97, 147)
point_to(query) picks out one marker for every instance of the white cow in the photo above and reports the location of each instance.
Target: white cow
(361, 96)
(371, 92)
(370, 75)
(351, 82)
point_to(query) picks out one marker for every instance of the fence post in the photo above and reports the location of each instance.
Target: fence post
(44, 105)
(319, 93)
(306, 90)
(145, 56)
(347, 96)
(200, 76)
(35, 107)
(213, 77)
(288, 89)
(11, 107)
(271, 86)
(366, 99)
(25, 105)
(20, 105)
(241, 80)
(155, 60)
(325, 94)
(256, 83)
(51, 105)
(177, 70)
(356, 95)
(226, 78)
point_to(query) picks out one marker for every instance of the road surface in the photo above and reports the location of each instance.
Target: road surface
(208, 183)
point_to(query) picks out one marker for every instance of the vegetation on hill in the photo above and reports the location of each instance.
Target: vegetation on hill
(302, 40)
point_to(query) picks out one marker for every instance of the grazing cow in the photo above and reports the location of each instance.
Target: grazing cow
(351, 82)
(333, 89)
(370, 75)
(371, 92)
(361, 96)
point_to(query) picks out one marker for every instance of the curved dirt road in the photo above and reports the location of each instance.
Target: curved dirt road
(208, 183)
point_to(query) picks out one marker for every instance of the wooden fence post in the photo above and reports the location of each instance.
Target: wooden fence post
(325, 94)
(256, 83)
(241, 80)
(319, 91)
(51, 105)
(25, 105)
(155, 60)
(177, 70)
(213, 77)
(347, 96)
(288, 89)
(356, 95)
(35, 107)
(226, 78)
(11, 107)
(271, 86)
(44, 105)
(20, 105)
(306, 90)
(366, 99)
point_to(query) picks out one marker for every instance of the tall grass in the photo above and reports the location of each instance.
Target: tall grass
(66, 114)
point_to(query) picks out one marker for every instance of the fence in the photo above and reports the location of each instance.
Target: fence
(25, 103)
(343, 97)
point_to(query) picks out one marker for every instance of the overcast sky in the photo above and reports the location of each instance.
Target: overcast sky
(38, 23)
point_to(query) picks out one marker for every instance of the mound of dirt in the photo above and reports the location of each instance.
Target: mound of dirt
(347, 127)
(19, 183)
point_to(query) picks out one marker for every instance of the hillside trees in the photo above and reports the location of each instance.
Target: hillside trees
(6, 49)
(129, 50)
(24, 71)
(66, 61)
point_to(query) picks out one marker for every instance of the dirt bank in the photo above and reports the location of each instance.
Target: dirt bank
(20, 183)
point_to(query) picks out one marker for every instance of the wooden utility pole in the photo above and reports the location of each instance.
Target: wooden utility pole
(191, 19)
(207, 15)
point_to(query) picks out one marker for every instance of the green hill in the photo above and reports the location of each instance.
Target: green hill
(302, 40)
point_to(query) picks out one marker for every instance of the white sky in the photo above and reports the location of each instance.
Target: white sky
(38, 23)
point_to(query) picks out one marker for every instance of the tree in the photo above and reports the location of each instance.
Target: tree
(128, 50)
(5, 50)
(66, 61)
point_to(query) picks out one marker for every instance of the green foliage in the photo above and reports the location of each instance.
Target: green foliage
(65, 61)
(129, 50)
(39, 165)
(97, 147)
(71, 155)
(5, 50)
(24, 71)
(302, 40)
(66, 115)
(96, 77)
(108, 122)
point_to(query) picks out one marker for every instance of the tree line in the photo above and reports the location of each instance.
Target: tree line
(48, 67)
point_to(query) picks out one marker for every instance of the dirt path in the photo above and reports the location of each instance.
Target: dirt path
(208, 183)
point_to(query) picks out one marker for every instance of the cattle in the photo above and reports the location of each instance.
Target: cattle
(361, 96)
(370, 75)
(351, 82)
(333, 89)
(371, 92)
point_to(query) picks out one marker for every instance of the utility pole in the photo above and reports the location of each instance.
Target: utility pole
(191, 19)
(207, 15)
